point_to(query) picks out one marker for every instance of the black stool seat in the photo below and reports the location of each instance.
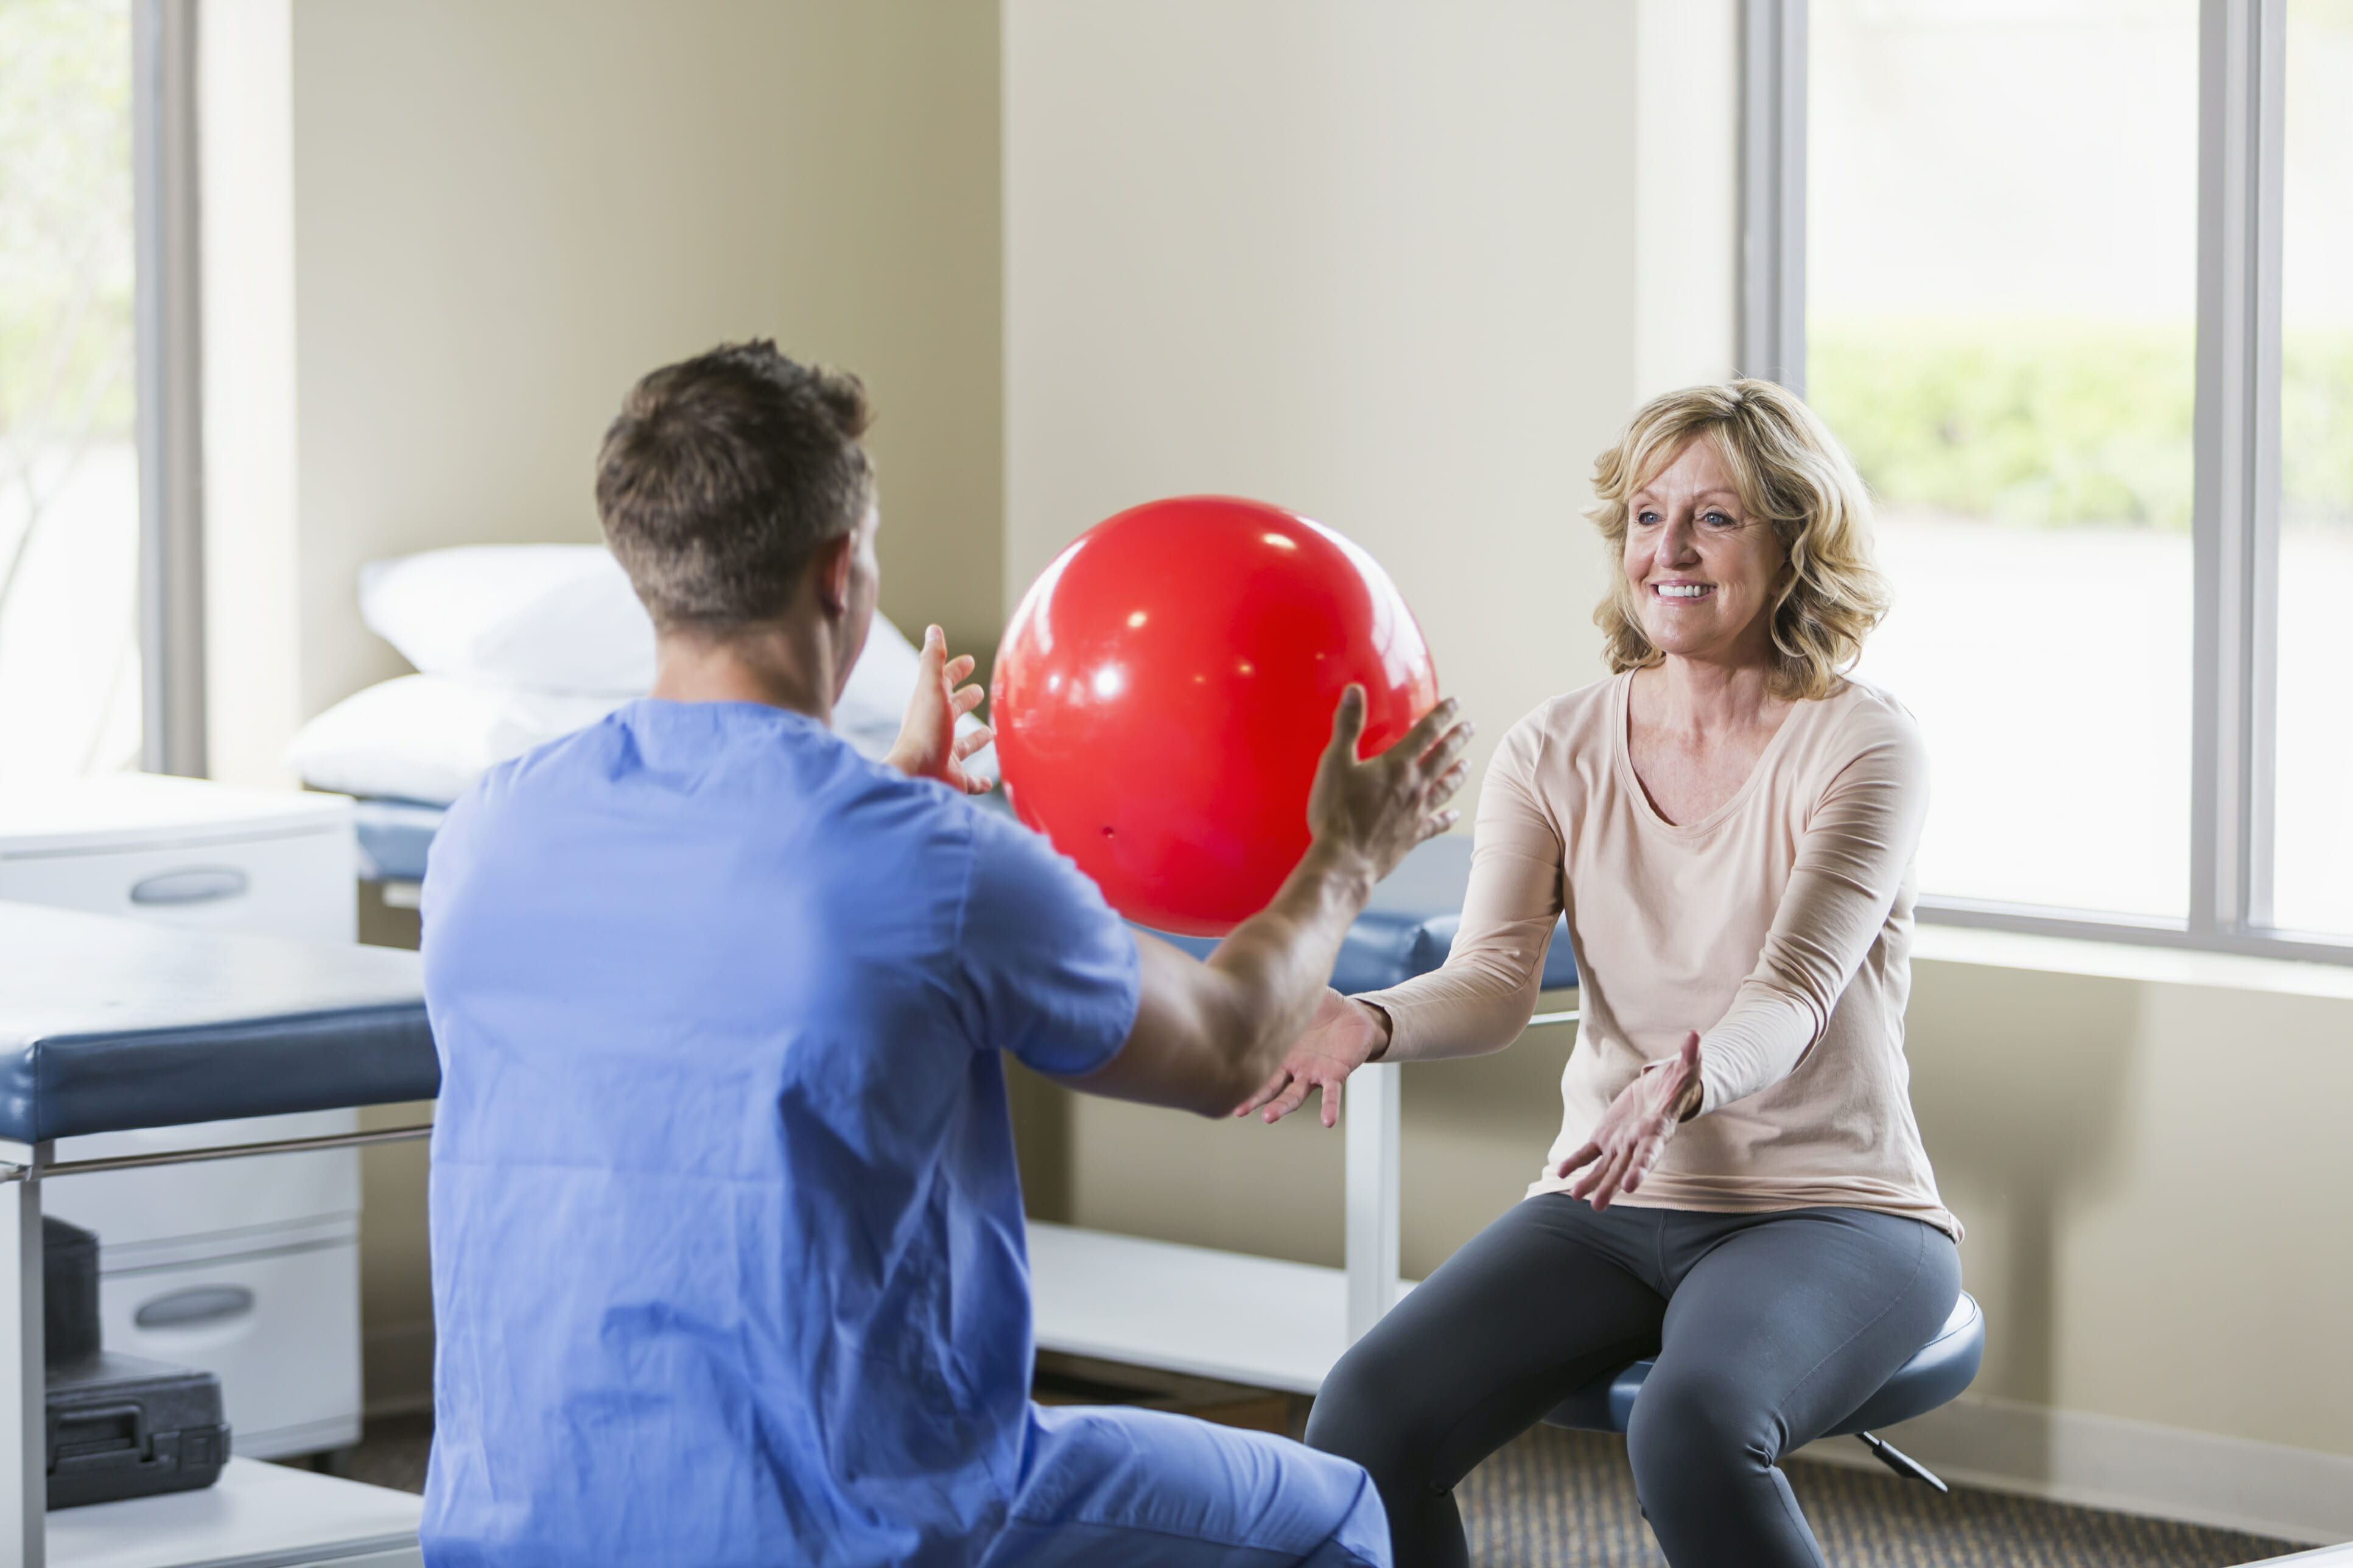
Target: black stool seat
(1943, 1368)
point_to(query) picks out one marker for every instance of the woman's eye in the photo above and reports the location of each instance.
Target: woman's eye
(1718, 520)
(1647, 518)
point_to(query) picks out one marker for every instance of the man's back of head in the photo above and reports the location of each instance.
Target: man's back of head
(723, 475)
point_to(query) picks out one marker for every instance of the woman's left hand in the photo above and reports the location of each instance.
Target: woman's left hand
(1633, 1132)
(928, 746)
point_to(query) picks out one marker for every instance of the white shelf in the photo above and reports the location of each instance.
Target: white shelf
(1187, 1309)
(1226, 1314)
(256, 1516)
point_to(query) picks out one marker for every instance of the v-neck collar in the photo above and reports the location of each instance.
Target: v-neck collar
(1621, 759)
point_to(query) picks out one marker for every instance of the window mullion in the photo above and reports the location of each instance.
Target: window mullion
(2265, 267)
(1772, 191)
(2237, 439)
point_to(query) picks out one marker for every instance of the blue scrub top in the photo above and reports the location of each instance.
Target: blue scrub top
(727, 1239)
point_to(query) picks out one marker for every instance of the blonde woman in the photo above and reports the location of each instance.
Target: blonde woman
(1738, 1185)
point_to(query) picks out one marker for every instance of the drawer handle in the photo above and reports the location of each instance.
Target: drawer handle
(198, 884)
(195, 1307)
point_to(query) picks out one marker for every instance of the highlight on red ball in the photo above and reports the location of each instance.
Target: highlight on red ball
(1167, 684)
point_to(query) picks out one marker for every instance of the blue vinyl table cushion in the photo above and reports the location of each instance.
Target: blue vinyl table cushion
(107, 1024)
(394, 836)
(1409, 927)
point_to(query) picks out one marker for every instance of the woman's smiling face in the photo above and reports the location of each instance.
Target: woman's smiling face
(1701, 569)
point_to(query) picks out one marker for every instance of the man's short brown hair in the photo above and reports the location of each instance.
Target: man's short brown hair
(723, 475)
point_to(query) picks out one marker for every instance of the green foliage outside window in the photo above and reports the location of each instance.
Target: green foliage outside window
(65, 226)
(2023, 420)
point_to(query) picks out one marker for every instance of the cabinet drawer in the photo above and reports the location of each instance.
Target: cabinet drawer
(277, 1328)
(299, 885)
(213, 1196)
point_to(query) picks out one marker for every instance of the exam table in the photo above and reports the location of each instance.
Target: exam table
(109, 1026)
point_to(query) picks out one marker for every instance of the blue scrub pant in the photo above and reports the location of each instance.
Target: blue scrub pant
(1146, 1489)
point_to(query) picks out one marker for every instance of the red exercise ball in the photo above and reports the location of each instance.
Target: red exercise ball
(1167, 684)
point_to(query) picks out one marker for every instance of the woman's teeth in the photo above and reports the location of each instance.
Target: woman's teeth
(1681, 590)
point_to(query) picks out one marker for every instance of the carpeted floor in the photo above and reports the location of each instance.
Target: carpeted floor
(1566, 1500)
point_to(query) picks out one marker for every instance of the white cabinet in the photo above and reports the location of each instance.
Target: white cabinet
(248, 1268)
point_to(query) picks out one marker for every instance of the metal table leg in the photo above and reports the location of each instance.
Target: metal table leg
(24, 1381)
(1370, 1116)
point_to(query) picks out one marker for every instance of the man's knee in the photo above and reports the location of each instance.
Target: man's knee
(1101, 1476)
(1362, 1539)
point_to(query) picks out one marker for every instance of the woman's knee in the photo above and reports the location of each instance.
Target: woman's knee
(1380, 1407)
(1692, 1432)
(1361, 1413)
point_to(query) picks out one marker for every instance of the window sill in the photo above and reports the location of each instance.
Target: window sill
(1990, 949)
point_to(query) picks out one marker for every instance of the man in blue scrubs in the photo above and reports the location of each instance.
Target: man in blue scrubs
(727, 1242)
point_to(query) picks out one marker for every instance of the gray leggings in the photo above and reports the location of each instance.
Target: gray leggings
(1769, 1329)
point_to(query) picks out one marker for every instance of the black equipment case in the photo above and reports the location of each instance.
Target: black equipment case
(119, 1427)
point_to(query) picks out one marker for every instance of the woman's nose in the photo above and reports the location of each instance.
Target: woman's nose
(1680, 545)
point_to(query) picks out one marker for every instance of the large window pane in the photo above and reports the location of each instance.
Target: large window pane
(2312, 885)
(68, 475)
(2001, 301)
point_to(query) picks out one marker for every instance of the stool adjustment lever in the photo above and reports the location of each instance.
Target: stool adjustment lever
(1902, 1463)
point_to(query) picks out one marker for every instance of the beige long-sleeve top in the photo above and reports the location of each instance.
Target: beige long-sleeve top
(1779, 927)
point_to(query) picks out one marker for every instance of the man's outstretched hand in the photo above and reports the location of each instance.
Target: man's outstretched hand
(928, 746)
(1380, 807)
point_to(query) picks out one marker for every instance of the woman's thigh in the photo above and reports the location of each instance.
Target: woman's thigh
(1536, 1305)
(1782, 1328)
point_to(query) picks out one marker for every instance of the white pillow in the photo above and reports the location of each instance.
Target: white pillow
(428, 737)
(562, 618)
(556, 617)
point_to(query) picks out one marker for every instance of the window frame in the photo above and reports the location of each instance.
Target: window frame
(167, 314)
(2234, 530)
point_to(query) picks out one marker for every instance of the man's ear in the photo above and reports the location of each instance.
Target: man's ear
(830, 573)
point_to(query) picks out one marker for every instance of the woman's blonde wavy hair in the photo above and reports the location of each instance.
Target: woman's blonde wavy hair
(1790, 471)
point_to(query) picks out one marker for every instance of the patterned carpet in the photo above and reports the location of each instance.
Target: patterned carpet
(1566, 1500)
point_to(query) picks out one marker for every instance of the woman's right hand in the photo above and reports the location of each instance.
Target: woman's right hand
(1345, 1035)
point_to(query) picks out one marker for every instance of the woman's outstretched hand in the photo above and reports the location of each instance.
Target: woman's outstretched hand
(928, 746)
(1633, 1132)
(1344, 1037)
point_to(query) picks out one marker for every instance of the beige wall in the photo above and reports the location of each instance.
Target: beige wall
(253, 608)
(504, 211)
(2157, 1186)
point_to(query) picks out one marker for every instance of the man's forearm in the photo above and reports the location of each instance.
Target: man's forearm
(1278, 962)
(1207, 1034)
